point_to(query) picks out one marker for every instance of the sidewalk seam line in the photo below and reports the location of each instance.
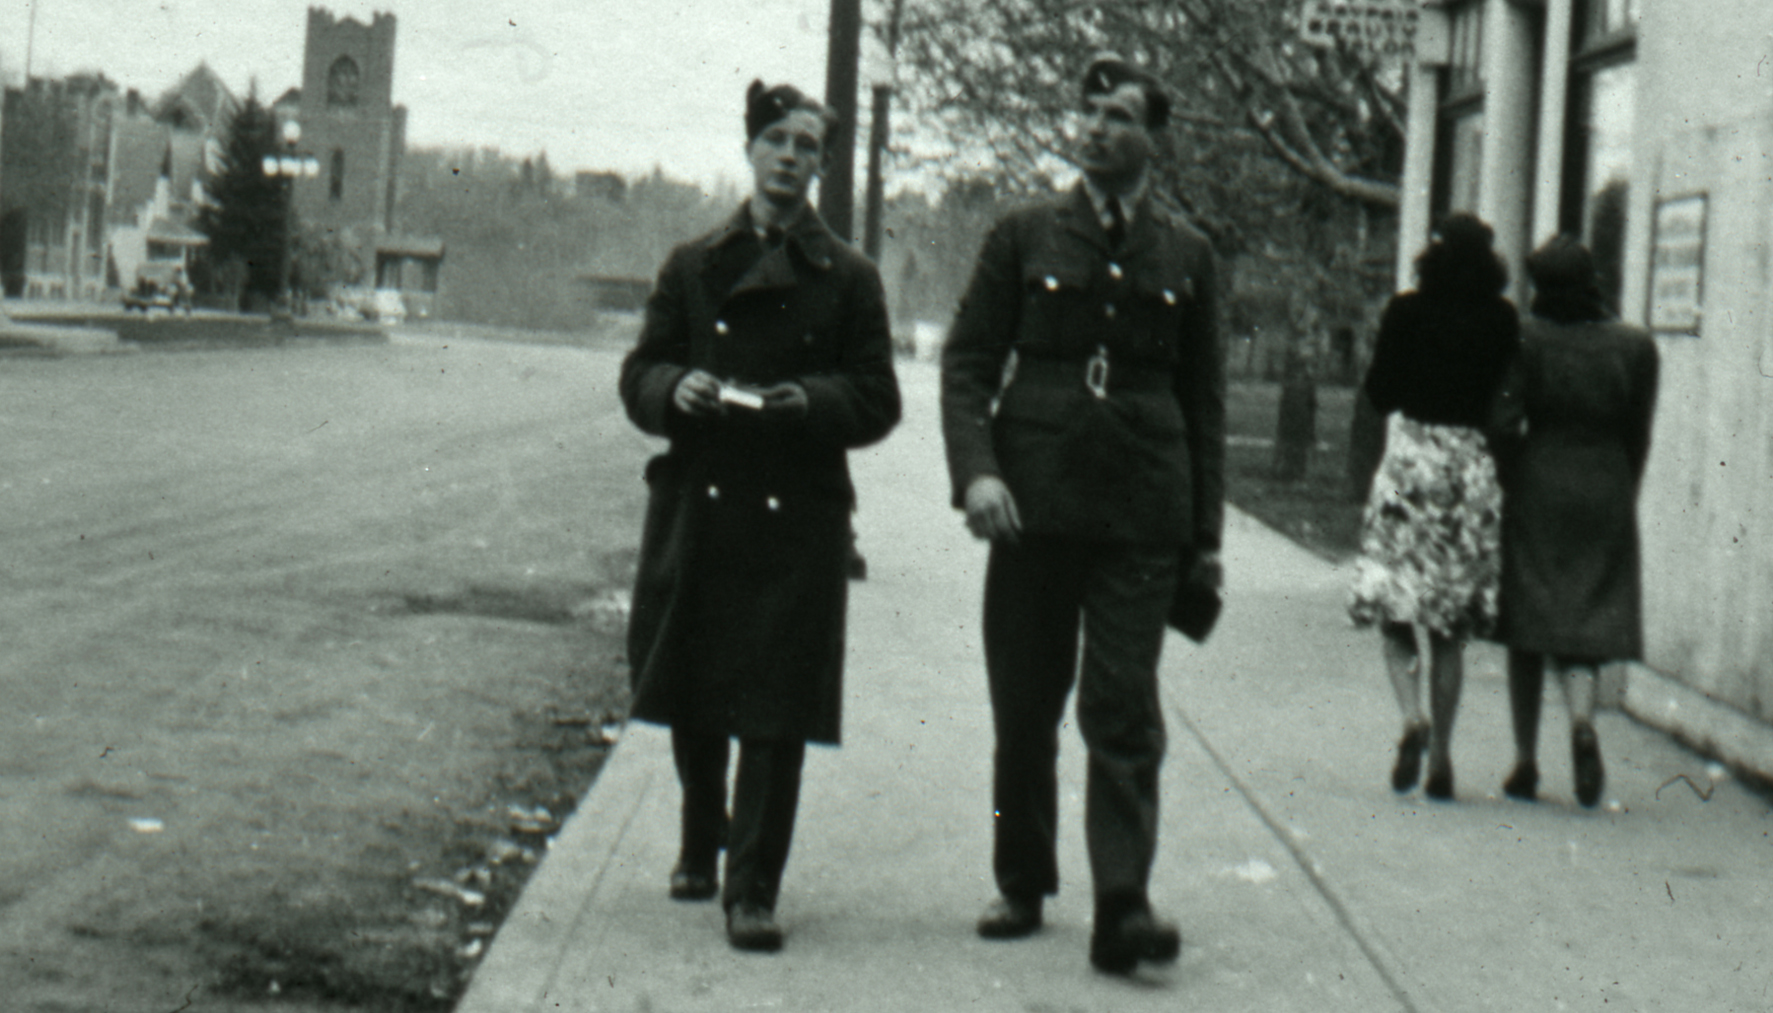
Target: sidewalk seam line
(1303, 861)
(579, 916)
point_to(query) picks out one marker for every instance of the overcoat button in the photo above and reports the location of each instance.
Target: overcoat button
(1108, 311)
(774, 504)
(714, 492)
(720, 327)
(1114, 271)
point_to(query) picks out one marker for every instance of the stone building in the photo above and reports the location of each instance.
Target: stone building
(1645, 127)
(349, 123)
(102, 181)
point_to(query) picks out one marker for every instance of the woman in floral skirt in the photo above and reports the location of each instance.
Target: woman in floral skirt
(1430, 534)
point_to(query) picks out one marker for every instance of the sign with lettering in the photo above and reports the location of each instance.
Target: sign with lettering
(1677, 266)
(1371, 27)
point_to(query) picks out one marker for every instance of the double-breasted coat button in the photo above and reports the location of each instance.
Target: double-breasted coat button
(720, 327)
(1169, 297)
(714, 492)
(1052, 284)
(1114, 271)
(774, 504)
(1108, 311)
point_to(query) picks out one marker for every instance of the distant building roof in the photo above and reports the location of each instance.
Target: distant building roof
(165, 230)
(200, 101)
(410, 246)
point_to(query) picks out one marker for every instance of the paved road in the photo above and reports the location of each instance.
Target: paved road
(216, 697)
(1299, 880)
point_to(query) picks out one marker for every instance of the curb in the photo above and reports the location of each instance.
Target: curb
(1698, 721)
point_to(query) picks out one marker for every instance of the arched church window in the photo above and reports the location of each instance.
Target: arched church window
(342, 82)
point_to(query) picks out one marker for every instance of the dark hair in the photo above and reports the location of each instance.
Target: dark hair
(1459, 263)
(766, 105)
(1566, 283)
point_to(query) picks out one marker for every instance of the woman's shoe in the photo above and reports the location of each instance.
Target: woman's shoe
(1523, 784)
(1585, 749)
(1439, 785)
(1409, 758)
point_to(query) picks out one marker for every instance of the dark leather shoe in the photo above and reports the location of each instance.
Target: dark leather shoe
(753, 927)
(1118, 946)
(1409, 758)
(1008, 918)
(694, 884)
(1523, 784)
(1591, 776)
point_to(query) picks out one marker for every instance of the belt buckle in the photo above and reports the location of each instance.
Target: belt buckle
(1096, 372)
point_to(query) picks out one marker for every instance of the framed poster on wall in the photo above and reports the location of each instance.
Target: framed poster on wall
(1677, 266)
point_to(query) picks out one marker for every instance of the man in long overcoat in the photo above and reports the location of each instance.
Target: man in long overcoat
(765, 355)
(1093, 463)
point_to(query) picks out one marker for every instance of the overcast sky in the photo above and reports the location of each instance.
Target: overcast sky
(597, 84)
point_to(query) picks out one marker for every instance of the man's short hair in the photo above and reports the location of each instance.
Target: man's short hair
(1107, 72)
(766, 105)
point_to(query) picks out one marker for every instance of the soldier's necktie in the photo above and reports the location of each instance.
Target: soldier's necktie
(1117, 226)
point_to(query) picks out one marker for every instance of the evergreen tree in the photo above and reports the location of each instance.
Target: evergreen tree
(249, 217)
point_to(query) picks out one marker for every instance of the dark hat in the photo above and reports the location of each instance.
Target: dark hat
(1108, 72)
(764, 106)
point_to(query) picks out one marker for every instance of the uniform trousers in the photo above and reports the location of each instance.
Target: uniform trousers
(1040, 595)
(766, 793)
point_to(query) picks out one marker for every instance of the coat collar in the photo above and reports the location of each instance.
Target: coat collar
(806, 232)
(1079, 216)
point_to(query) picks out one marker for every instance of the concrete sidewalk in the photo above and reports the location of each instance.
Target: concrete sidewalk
(1300, 881)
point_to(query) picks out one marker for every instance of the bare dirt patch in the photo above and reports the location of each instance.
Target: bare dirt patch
(308, 650)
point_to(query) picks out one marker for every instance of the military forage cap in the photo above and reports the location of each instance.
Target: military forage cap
(764, 106)
(1108, 72)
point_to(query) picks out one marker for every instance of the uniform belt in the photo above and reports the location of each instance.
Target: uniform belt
(1101, 373)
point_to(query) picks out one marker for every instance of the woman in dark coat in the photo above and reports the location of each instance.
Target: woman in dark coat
(1429, 554)
(1572, 431)
(764, 357)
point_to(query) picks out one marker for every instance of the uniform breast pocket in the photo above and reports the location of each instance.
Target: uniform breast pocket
(1161, 303)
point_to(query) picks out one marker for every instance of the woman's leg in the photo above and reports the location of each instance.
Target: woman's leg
(1398, 644)
(1446, 677)
(1526, 691)
(1585, 745)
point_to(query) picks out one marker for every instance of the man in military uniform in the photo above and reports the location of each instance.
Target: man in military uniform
(1083, 406)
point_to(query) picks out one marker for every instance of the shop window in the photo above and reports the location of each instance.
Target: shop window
(1599, 133)
(1465, 71)
(1459, 149)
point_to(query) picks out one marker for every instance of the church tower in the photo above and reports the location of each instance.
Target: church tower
(349, 123)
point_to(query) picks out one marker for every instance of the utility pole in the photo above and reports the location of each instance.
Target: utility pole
(879, 133)
(30, 42)
(837, 198)
(3, 318)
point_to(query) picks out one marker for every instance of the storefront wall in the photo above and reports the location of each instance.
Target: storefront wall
(1705, 128)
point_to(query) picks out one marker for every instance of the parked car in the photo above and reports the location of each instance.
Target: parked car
(159, 284)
